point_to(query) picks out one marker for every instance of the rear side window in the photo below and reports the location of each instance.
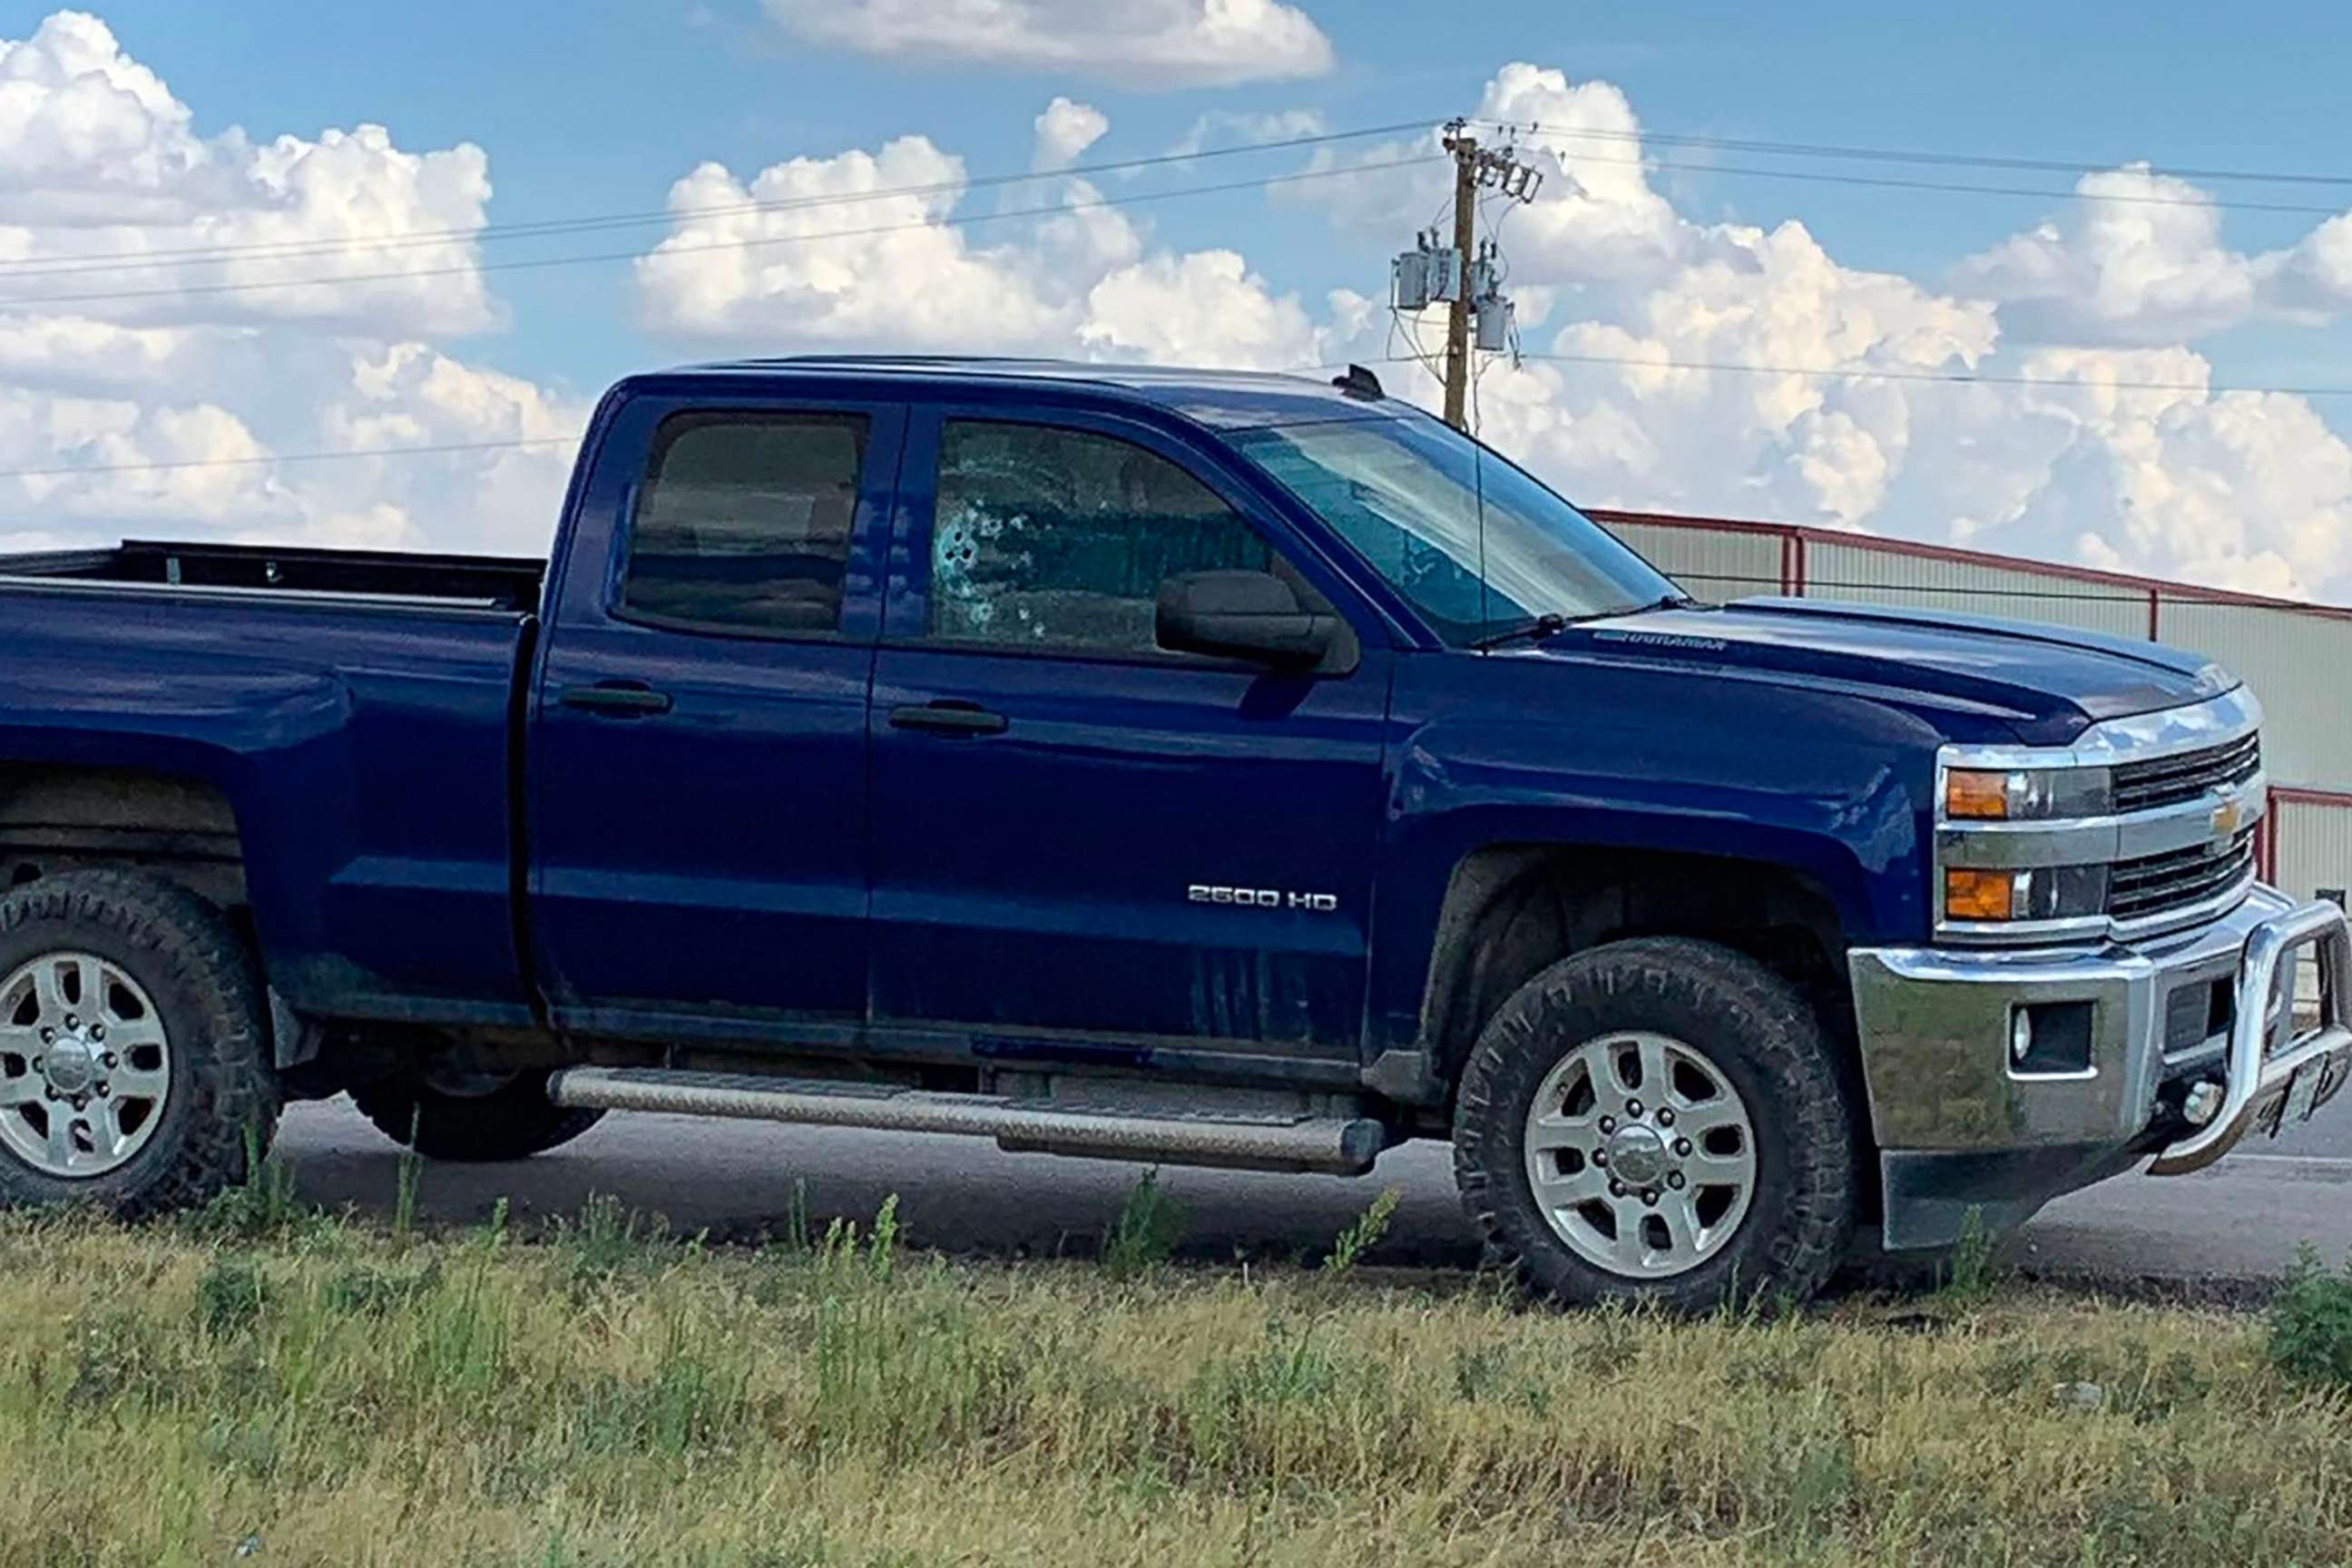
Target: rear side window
(745, 521)
(1060, 539)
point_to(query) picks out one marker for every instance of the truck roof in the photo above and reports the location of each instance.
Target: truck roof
(1226, 398)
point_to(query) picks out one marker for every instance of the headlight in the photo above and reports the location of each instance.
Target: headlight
(2026, 794)
(2049, 893)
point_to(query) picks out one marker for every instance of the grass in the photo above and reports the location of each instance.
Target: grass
(305, 1389)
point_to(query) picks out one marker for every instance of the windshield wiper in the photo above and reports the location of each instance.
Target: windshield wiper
(1546, 624)
(1551, 623)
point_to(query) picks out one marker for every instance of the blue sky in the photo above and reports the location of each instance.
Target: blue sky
(2120, 315)
(597, 107)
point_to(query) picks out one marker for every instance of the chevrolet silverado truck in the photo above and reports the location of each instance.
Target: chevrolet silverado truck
(1173, 766)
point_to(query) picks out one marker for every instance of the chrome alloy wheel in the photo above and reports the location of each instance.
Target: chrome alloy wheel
(84, 1065)
(1641, 1154)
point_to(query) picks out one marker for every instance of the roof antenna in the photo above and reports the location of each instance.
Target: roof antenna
(1359, 383)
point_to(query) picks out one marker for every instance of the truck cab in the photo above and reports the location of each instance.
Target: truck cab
(1172, 765)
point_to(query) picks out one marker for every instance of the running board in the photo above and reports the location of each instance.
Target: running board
(1337, 1145)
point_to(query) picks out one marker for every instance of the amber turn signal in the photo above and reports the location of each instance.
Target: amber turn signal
(1975, 794)
(1971, 895)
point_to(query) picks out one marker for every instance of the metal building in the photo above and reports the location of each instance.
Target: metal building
(2292, 655)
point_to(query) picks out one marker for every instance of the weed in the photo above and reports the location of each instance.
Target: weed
(899, 1369)
(366, 1291)
(1362, 1234)
(609, 1239)
(2310, 1321)
(1969, 1274)
(408, 1176)
(697, 1398)
(120, 1354)
(229, 1295)
(265, 1206)
(1499, 1373)
(1145, 1233)
(796, 1217)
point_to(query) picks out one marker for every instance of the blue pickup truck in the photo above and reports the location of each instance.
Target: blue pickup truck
(1177, 766)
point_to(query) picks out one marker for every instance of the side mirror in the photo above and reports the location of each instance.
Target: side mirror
(1243, 614)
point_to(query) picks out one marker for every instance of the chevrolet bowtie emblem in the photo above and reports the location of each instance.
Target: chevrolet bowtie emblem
(2228, 817)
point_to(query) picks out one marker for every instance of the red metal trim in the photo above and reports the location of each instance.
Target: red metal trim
(2304, 794)
(1677, 520)
(1788, 564)
(2154, 615)
(1799, 541)
(2138, 585)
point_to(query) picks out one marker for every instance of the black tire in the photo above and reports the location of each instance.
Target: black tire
(221, 1103)
(511, 1122)
(1756, 1031)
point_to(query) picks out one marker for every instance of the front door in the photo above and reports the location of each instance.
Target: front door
(698, 762)
(1082, 841)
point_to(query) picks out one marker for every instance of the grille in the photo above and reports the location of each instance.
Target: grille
(2168, 781)
(2160, 883)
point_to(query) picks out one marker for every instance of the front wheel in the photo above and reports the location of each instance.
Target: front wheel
(1658, 1119)
(448, 1115)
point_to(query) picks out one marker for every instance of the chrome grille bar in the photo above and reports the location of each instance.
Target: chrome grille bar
(2141, 786)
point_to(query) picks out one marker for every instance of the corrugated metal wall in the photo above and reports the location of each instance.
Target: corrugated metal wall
(2313, 851)
(2296, 665)
(1712, 564)
(1882, 576)
(2295, 660)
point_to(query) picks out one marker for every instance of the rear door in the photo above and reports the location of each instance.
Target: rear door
(696, 768)
(1079, 837)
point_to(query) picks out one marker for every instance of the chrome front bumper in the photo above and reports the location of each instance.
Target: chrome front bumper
(1955, 1116)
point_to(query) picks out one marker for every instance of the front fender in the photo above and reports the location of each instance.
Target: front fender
(1825, 787)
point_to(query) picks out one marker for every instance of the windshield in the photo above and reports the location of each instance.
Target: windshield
(1408, 494)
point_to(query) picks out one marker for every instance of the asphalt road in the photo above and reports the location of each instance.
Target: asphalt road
(2242, 1219)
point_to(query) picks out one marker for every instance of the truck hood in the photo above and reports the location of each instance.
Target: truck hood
(2049, 681)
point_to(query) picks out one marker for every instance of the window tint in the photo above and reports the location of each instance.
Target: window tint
(1050, 538)
(745, 520)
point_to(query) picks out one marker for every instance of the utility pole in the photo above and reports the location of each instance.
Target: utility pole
(1464, 275)
(1465, 148)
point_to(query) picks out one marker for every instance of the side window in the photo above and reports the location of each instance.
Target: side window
(744, 521)
(1059, 539)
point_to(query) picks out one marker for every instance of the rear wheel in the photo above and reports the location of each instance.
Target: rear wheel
(444, 1114)
(1657, 1120)
(133, 1045)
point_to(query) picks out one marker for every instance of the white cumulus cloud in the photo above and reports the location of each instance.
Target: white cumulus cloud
(144, 383)
(865, 250)
(1066, 130)
(2139, 259)
(1152, 44)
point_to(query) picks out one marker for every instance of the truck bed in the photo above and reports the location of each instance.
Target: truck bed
(481, 582)
(353, 713)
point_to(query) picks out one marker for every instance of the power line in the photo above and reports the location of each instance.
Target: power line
(54, 266)
(1957, 378)
(1886, 182)
(328, 456)
(1899, 156)
(533, 263)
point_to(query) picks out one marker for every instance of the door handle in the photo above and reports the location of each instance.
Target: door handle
(624, 697)
(949, 718)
